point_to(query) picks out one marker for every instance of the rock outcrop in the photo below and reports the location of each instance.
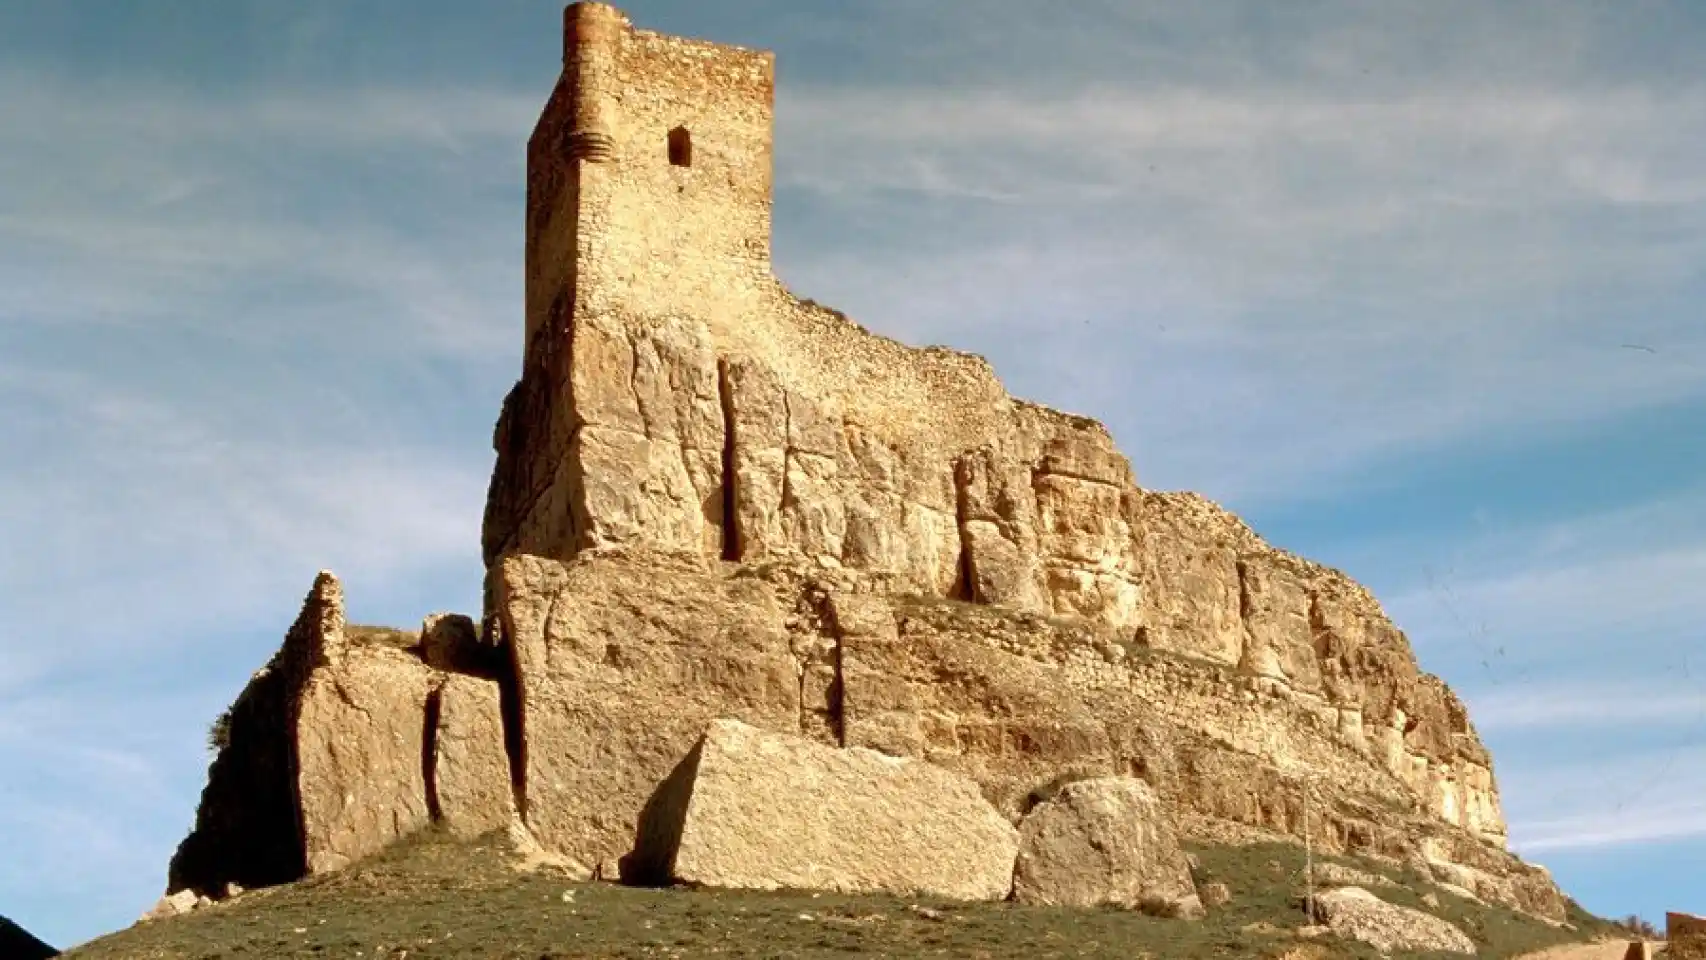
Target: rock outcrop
(346, 741)
(713, 500)
(675, 396)
(1356, 914)
(175, 905)
(1102, 842)
(16, 943)
(360, 736)
(1685, 936)
(1683, 926)
(758, 810)
(1330, 874)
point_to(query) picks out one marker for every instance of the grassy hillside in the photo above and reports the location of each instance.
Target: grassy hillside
(433, 898)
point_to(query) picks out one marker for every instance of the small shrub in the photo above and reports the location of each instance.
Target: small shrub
(219, 734)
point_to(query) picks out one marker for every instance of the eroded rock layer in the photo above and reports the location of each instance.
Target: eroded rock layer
(1041, 516)
(623, 655)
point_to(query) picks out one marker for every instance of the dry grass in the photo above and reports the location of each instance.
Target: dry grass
(431, 898)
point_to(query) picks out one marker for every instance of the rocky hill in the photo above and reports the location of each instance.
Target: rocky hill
(733, 538)
(16, 943)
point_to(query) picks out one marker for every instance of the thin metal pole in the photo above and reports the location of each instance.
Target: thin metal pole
(1308, 855)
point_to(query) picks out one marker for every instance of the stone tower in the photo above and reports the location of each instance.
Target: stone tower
(648, 207)
(648, 176)
(673, 392)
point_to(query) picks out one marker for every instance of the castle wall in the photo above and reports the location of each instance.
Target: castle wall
(248, 824)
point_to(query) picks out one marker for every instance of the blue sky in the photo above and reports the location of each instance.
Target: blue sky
(1367, 274)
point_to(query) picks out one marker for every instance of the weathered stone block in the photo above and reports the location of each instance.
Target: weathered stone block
(360, 735)
(470, 789)
(1356, 914)
(757, 810)
(451, 642)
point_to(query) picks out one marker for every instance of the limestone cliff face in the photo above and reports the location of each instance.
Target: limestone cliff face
(623, 655)
(676, 397)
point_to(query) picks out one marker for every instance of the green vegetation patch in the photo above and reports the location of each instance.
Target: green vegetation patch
(432, 898)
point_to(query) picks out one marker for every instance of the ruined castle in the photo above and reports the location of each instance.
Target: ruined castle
(713, 499)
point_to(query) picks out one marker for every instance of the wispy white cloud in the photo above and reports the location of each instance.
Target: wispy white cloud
(165, 520)
(1413, 268)
(171, 118)
(1523, 604)
(198, 290)
(1613, 597)
(162, 207)
(1621, 828)
(106, 783)
(1600, 706)
(1641, 795)
(1375, 258)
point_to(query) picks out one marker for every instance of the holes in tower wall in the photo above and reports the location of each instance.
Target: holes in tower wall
(681, 147)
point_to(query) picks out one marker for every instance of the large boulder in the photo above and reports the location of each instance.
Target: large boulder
(757, 810)
(174, 905)
(451, 642)
(1356, 914)
(360, 740)
(1104, 841)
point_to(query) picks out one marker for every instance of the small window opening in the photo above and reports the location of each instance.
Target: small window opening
(681, 147)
